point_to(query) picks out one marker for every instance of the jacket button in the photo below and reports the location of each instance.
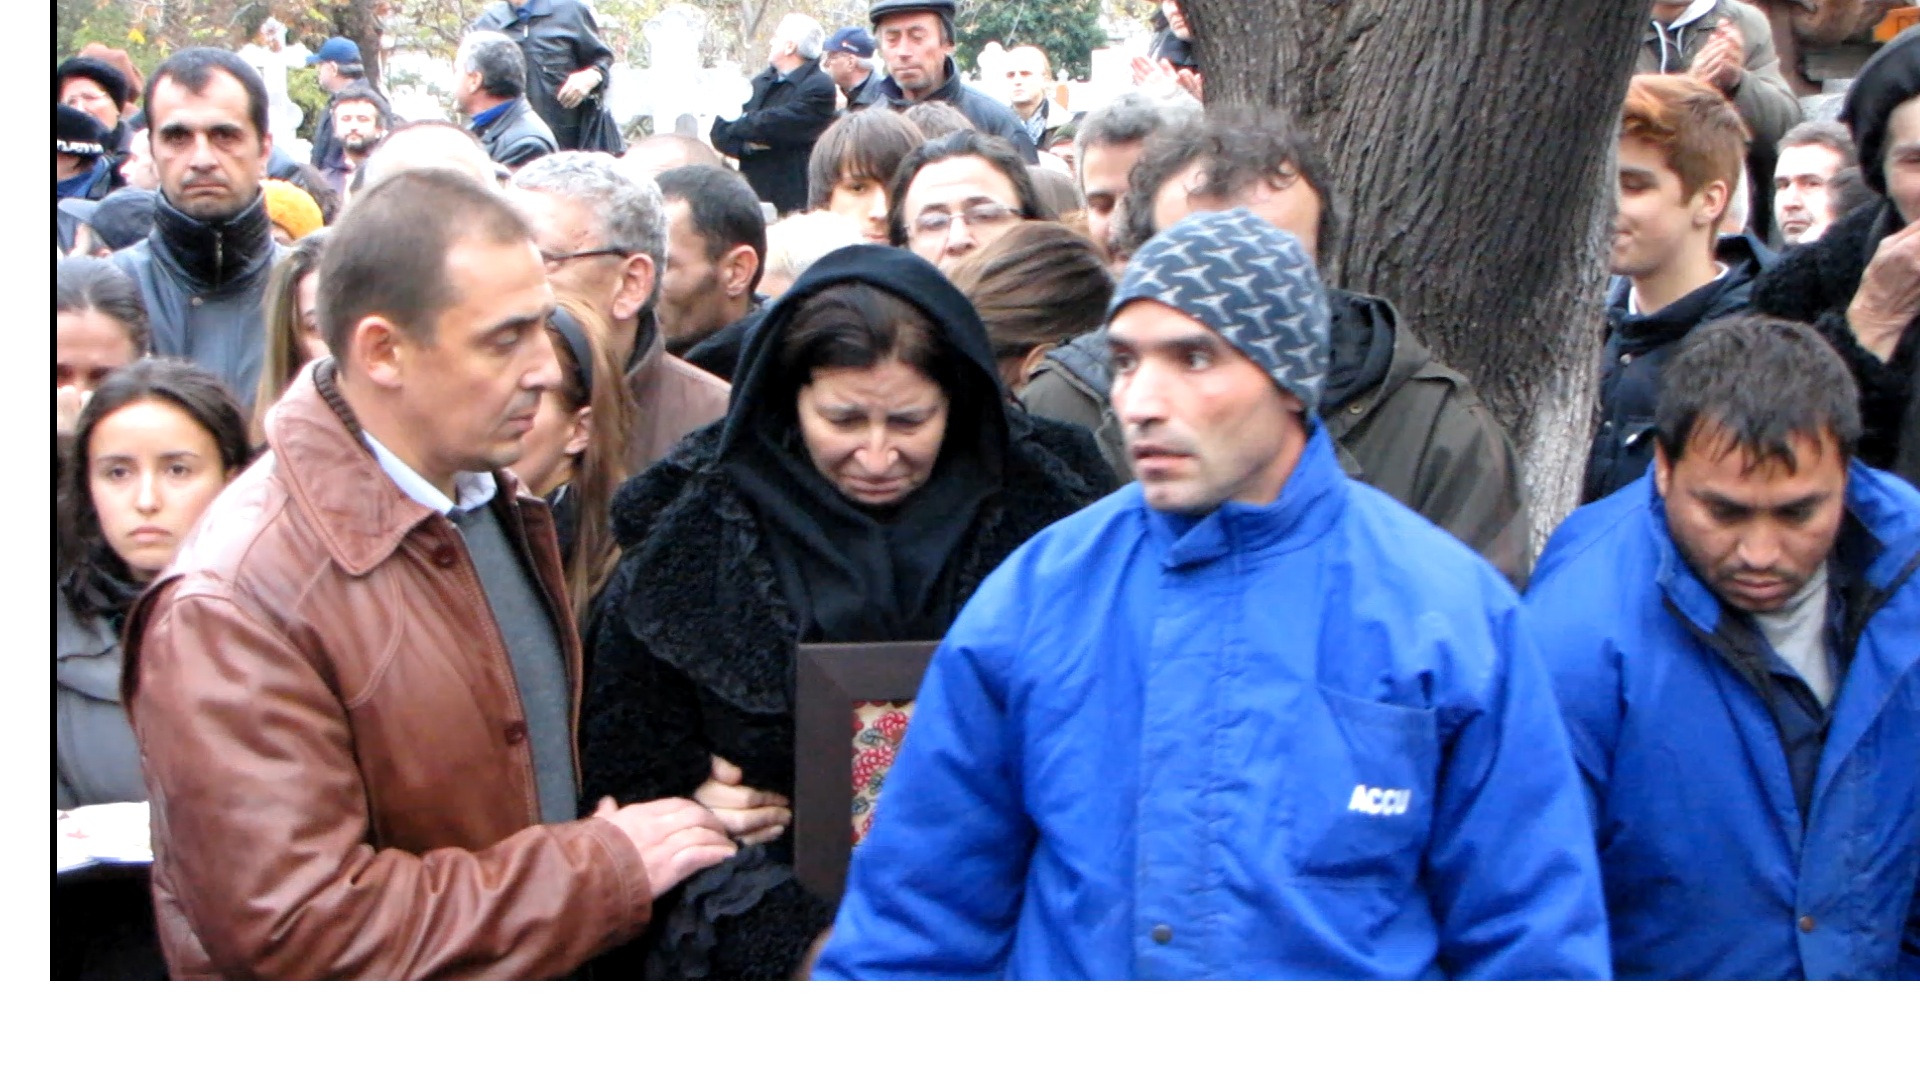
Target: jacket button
(1162, 934)
(1806, 924)
(444, 557)
(516, 733)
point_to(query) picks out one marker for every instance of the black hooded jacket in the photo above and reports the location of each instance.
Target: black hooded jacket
(692, 645)
(1637, 350)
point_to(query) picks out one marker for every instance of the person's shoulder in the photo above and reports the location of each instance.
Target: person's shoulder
(1409, 558)
(667, 487)
(1598, 550)
(1752, 22)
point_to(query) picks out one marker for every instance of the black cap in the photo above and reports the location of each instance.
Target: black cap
(120, 220)
(100, 72)
(883, 8)
(74, 132)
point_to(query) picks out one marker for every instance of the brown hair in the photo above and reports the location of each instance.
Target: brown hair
(868, 144)
(599, 470)
(1038, 284)
(1697, 131)
(388, 258)
(283, 358)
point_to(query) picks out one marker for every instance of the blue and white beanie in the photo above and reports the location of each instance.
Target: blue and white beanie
(1249, 282)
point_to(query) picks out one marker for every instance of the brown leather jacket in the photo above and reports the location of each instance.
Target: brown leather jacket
(671, 400)
(338, 762)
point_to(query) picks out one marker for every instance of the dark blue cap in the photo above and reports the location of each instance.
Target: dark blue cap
(337, 50)
(851, 40)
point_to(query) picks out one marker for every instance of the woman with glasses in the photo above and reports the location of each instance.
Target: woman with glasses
(960, 193)
(869, 475)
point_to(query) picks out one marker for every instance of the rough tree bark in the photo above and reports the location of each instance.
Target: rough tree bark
(359, 22)
(1472, 142)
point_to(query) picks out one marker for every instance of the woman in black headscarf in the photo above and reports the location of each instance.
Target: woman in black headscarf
(866, 479)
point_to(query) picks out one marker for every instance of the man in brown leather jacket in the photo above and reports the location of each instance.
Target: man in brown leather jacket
(603, 235)
(356, 687)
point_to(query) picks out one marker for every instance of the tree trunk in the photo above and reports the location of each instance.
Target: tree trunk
(359, 22)
(1472, 143)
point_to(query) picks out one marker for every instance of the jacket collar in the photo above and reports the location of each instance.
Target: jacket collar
(1309, 504)
(949, 91)
(485, 119)
(213, 254)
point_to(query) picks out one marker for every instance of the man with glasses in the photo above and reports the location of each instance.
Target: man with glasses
(603, 237)
(957, 194)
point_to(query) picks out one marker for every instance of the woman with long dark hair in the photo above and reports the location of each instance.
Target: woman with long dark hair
(156, 443)
(868, 476)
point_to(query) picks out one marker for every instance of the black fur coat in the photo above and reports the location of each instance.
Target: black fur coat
(1814, 284)
(691, 654)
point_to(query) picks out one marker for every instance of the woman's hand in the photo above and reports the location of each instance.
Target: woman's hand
(751, 817)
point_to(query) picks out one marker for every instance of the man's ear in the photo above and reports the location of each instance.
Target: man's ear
(737, 270)
(1662, 469)
(381, 351)
(634, 288)
(1710, 203)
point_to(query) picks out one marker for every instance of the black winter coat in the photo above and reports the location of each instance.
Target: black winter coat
(991, 117)
(774, 136)
(205, 288)
(1814, 284)
(518, 136)
(558, 38)
(1636, 352)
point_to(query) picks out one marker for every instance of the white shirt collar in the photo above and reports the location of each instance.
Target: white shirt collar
(473, 489)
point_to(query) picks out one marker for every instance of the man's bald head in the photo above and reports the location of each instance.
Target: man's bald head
(656, 154)
(430, 144)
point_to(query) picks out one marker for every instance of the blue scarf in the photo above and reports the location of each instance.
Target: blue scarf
(481, 120)
(78, 186)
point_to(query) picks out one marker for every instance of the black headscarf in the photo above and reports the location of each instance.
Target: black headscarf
(852, 573)
(1887, 81)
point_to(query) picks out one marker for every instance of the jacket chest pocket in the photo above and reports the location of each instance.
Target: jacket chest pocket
(1361, 791)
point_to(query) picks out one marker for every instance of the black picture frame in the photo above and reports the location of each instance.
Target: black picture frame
(828, 680)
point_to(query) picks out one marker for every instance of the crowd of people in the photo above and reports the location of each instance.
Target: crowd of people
(440, 520)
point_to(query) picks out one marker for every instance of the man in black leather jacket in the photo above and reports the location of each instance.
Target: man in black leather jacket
(567, 63)
(203, 269)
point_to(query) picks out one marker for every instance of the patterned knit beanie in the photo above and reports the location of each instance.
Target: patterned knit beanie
(1249, 282)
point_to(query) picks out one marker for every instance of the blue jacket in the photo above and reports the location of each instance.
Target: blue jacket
(1309, 739)
(1710, 873)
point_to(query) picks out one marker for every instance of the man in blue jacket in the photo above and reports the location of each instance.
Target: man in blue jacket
(1243, 719)
(1736, 642)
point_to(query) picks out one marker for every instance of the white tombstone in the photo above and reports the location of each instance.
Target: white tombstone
(674, 78)
(271, 56)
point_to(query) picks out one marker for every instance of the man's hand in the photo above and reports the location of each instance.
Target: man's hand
(676, 838)
(751, 817)
(67, 403)
(578, 86)
(1723, 62)
(1889, 294)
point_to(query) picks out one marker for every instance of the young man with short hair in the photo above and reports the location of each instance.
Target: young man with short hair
(1735, 642)
(1244, 719)
(1681, 147)
(716, 250)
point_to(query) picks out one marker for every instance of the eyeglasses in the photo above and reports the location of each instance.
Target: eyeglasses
(934, 222)
(553, 259)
